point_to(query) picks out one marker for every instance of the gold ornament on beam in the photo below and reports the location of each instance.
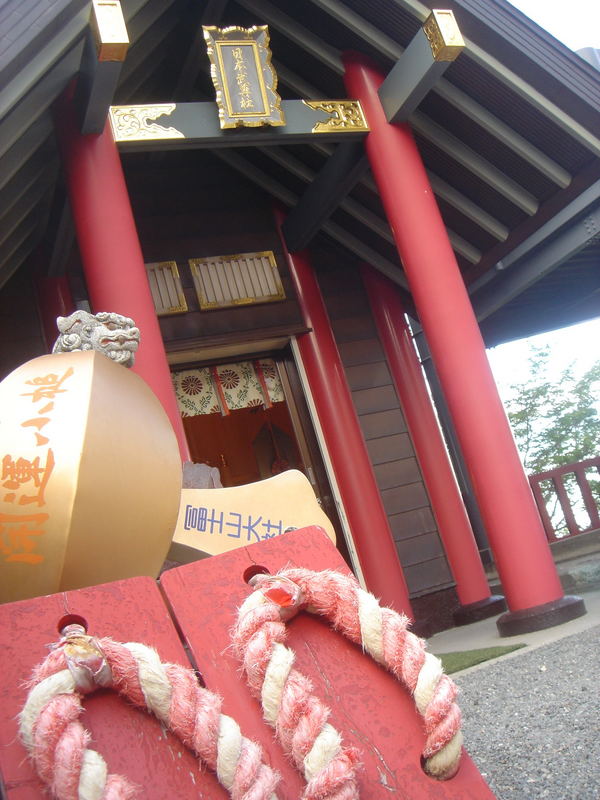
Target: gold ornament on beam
(444, 36)
(109, 30)
(341, 115)
(136, 123)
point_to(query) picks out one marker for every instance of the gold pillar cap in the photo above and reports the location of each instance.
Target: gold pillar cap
(443, 34)
(110, 32)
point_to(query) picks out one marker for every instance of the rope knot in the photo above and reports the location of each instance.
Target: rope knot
(85, 659)
(282, 592)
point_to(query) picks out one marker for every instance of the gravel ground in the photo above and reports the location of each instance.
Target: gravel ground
(532, 722)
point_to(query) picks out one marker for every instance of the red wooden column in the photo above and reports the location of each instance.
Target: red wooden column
(523, 558)
(345, 444)
(110, 249)
(449, 510)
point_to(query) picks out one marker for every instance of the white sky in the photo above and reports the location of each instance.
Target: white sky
(578, 345)
(577, 24)
(574, 22)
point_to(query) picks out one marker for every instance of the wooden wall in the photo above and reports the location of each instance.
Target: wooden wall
(389, 444)
(190, 206)
(20, 329)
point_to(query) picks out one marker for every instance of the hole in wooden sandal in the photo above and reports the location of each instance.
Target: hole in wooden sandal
(71, 619)
(434, 777)
(255, 569)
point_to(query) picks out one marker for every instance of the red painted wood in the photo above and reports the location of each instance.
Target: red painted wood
(557, 476)
(450, 513)
(516, 534)
(132, 742)
(541, 504)
(565, 504)
(371, 709)
(588, 497)
(346, 446)
(111, 254)
(374, 712)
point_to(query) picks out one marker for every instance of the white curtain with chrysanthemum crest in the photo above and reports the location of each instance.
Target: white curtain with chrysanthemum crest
(227, 387)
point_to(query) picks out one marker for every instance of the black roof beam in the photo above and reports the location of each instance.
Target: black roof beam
(350, 206)
(433, 48)
(210, 15)
(392, 50)
(64, 240)
(450, 194)
(339, 234)
(336, 179)
(547, 249)
(431, 51)
(176, 126)
(104, 51)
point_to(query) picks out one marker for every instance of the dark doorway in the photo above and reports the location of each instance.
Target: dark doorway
(257, 442)
(247, 445)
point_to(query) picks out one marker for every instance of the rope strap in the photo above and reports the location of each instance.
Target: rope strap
(78, 664)
(298, 716)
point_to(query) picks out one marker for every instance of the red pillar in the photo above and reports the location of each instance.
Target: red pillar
(523, 558)
(110, 249)
(345, 444)
(449, 510)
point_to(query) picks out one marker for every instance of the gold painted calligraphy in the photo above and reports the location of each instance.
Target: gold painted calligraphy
(24, 480)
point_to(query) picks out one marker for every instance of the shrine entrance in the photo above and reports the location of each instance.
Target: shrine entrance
(248, 420)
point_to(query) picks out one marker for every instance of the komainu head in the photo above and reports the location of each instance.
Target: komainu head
(114, 336)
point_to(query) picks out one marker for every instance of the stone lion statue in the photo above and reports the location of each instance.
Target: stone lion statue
(111, 334)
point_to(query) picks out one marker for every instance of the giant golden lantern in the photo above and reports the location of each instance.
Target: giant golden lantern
(91, 475)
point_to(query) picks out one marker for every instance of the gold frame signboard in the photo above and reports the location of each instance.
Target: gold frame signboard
(243, 76)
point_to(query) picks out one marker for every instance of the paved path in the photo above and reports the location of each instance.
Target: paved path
(532, 718)
(532, 722)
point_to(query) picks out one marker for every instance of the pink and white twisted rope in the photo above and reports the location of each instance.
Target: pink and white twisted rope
(288, 702)
(58, 743)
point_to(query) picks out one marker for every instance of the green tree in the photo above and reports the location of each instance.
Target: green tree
(556, 422)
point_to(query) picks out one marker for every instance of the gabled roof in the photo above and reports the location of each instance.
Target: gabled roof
(510, 135)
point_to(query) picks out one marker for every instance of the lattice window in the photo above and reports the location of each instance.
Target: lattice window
(241, 279)
(165, 285)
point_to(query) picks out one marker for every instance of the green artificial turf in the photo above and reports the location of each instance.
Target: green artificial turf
(453, 662)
